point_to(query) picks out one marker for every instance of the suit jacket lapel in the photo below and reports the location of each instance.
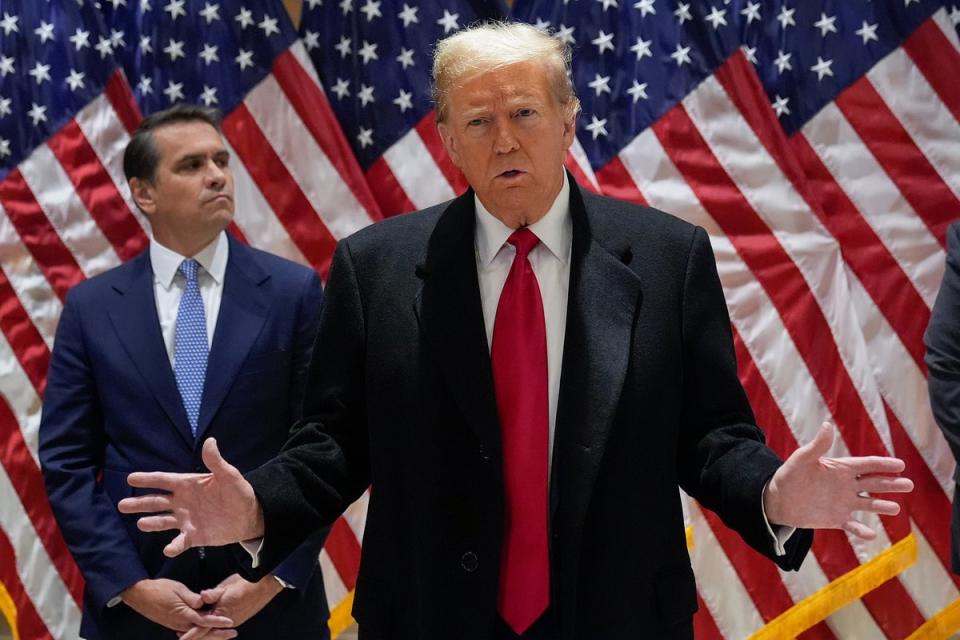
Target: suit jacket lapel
(243, 309)
(604, 297)
(451, 319)
(135, 321)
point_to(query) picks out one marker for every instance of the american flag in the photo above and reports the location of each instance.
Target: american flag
(817, 141)
(66, 114)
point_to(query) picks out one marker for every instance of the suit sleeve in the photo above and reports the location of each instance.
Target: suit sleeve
(72, 445)
(297, 569)
(325, 464)
(943, 347)
(722, 459)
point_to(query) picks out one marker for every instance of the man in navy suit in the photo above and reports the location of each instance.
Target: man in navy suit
(198, 336)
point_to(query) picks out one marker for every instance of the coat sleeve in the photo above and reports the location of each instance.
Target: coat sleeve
(72, 443)
(325, 465)
(943, 347)
(722, 459)
(298, 567)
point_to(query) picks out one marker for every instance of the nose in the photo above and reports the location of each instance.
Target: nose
(505, 141)
(216, 175)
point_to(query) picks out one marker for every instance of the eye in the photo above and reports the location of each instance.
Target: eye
(476, 122)
(222, 161)
(525, 113)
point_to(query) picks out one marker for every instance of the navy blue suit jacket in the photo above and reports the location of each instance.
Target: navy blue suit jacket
(943, 363)
(112, 407)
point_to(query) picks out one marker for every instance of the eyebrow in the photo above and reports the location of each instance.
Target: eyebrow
(221, 153)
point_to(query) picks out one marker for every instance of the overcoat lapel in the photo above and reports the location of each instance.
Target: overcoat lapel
(451, 319)
(135, 321)
(243, 310)
(604, 297)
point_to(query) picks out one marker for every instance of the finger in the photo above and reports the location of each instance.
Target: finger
(159, 479)
(177, 546)
(207, 620)
(859, 529)
(195, 633)
(221, 634)
(152, 503)
(866, 465)
(214, 461)
(212, 596)
(885, 484)
(190, 598)
(875, 505)
(157, 523)
(820, 444)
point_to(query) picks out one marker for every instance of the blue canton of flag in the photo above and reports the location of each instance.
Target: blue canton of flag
(375, 59)
(194, 50)
(55, 57)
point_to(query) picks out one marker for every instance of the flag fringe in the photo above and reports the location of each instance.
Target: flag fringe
(842, 591)
(939, 627)
(9, 611)
(340, 617)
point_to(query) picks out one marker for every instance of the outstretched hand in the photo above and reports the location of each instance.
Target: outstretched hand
(813, 491)
(209, 509)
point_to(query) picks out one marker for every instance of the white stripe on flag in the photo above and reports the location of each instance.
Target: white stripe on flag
(877, 198)
(34, 292)
(942, 20)
(356, 515)
(808, 244)
(55, 194)
(927, 580)
(15, 386)
(417, 172)
(254, 216)
(317, 177)
(580, 156)
(732, 607)
(332, 584)
(41, 580)
(921, 112)
(105, 132)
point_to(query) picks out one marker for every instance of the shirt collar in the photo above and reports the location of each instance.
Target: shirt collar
(554, 229)
(213, 259)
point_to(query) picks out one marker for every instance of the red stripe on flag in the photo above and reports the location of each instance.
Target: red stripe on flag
(51, 255)
(704, 626)
(121, 99)
(97, 191)
(899, 156)
(391, 196)
(928, 505)
(237, 233)
(615, 181)
(427, 130)
(862, 249)
(938, 61)
(344, 550)
(23, 337)
(314, 110)
(280, 189)
(25, 477)
(802, 318)
(29, 624)
(578, 173)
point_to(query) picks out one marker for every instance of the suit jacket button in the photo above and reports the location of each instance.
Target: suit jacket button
(469, 562)
(484, 455)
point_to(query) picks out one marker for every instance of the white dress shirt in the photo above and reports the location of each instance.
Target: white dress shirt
(551, 264)
(169, 283)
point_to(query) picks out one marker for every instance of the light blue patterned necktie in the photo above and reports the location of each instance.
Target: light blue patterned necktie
(190, 344)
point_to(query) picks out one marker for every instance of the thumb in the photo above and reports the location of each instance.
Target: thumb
(821, 443)
(212, 458)
(193, 600)
(212, 596)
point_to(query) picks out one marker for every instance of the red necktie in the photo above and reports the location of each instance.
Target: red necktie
(519, 360)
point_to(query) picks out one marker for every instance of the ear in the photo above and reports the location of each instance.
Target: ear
(449, 142)
(569, 128)
(142, 192)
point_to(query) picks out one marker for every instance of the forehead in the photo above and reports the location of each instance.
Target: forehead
(179, 139)
(515, 82)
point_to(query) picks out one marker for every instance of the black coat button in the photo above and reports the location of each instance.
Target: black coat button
(469, 562)
(484, 455)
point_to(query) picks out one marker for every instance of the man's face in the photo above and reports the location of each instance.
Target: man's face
(505, 130)
(191, 195)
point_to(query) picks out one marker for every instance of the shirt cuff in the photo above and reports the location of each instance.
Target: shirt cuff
(253, 547)
(781, 535)
(283, 583)
(114, 601)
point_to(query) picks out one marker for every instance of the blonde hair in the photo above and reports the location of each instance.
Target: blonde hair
(492, 45)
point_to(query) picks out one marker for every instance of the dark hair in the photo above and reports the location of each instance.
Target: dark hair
(141, 156)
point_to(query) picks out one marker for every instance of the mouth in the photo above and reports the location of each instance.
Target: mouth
(511, 173)
(220, 198)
